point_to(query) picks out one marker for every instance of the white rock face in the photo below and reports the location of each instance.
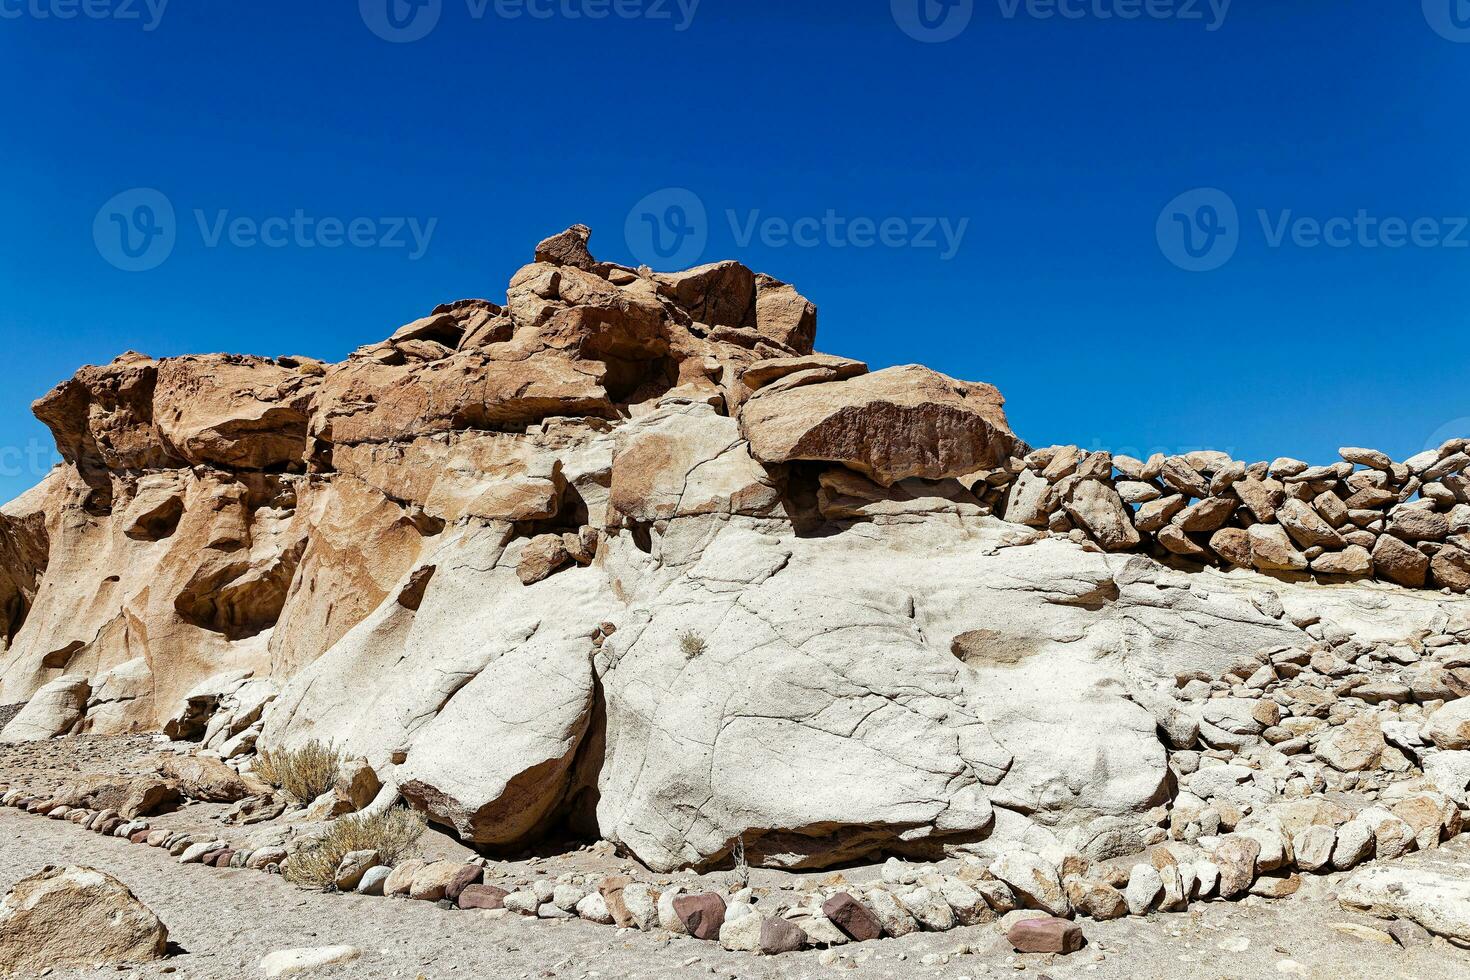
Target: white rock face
(821, 697)
(55, 709)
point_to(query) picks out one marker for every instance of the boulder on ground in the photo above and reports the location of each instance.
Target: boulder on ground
(75, 917)
(1437, 901)
(206, 779)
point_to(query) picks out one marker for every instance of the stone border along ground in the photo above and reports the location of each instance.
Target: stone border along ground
(1407, 523)
(1257, 845)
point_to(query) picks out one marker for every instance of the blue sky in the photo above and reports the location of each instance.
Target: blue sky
(1064, 154)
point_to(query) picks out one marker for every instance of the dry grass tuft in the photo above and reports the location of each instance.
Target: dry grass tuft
(304, 773)
(692, 644)
(392, 833)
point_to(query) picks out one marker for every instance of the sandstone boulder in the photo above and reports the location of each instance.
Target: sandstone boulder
(890, 425)
(75, 917)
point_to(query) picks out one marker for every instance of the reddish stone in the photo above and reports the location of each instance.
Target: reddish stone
(108, 826)
(482, 897)
(1049, 935)
(139, 837)
(468, 875)
(854, 918)
(779, 936)
(220, 859)
(702, 915)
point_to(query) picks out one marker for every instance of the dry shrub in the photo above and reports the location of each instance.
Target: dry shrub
(692, 644)
(392, 833)
(304, 773)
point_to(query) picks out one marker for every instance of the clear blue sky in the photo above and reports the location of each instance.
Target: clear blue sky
(1058, 142)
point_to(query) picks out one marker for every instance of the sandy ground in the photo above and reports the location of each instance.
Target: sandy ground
(224, 921)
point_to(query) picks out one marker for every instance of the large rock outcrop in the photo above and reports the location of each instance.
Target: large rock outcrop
(624, 555)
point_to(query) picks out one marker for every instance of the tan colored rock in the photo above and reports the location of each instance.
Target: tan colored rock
(542, 557)
(1306, 526)
(783, 315)
(1026, 503)
(890, 425)
(102, 420)
(1451, 569)
(75, 917)
(1154, 515)
(1207, 515)
(233, 411)
(207, 779)
(366, 401)
(56, 709)
(828, 366)
(1262, 497)
(686, 461)
(1354, 746)
(1352, 561)
(1272, 550)
(1234, 545)
(1098, 508)
(400, 879)
(1399, 562)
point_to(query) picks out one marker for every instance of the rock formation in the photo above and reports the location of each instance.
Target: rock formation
(624, 555)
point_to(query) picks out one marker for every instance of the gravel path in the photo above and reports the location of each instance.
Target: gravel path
(224, 921)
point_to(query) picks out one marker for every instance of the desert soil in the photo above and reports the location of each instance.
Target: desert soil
(223, 921)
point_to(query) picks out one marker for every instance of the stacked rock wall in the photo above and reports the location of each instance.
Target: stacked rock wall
(1363, 517)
